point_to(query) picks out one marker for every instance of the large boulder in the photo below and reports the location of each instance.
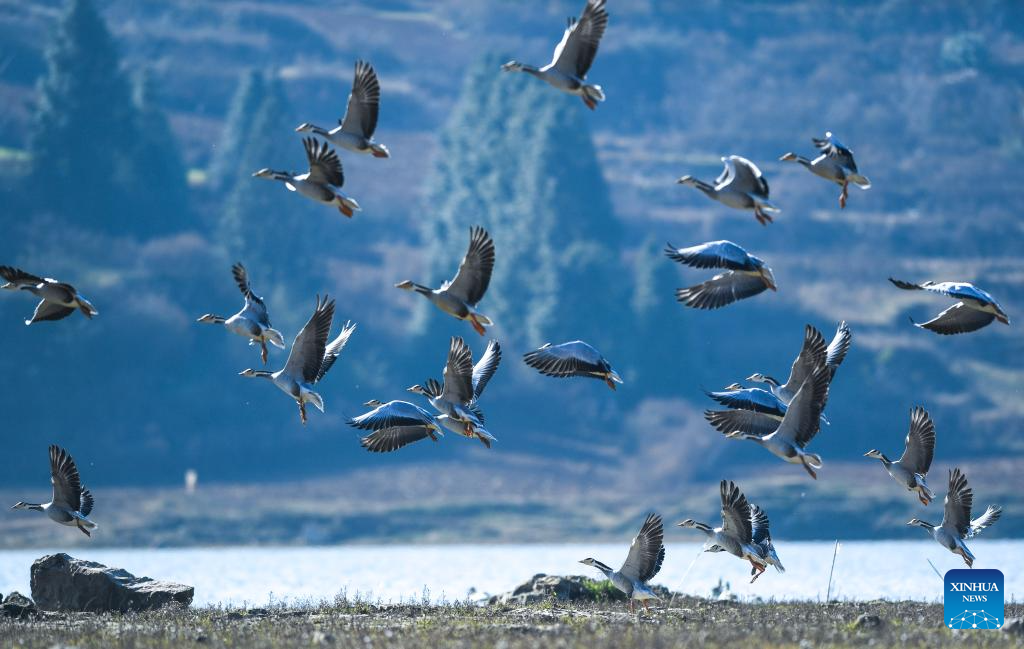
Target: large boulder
(17, 606)
(63, 583)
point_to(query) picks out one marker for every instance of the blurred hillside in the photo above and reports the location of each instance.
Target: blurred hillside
(125, 170)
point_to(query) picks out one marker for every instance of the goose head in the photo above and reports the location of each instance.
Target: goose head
(875, 453)
(406, 285)
(757, 377)
(264, 173)
(917, 522)
(305, 127)
(768, 277)
(210, 319)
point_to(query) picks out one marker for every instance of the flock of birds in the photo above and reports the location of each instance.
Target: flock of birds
(781, 417)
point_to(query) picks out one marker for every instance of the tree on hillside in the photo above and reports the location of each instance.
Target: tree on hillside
(517, 158)
(92, 155)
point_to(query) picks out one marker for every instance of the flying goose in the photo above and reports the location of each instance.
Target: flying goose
(813, 353)
(957, 525)
(310, 358)
(573, 56)
(735, 535)
(975, 309)
(835, 163)
(355, 131)
(252, 321)
(460, 296)
(646, 554)
(71, 503)
(58, 300)
(395, 424)
(575, 358)
(912, 467)
(323, 181)
(797, 428)
(752, 410)
(463, 385)
(762, 542)
(740, 186)
(746, 275)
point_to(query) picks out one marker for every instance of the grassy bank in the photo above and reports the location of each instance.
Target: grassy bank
(684, 622)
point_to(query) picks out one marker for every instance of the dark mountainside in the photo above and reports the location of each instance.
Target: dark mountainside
(126, 158)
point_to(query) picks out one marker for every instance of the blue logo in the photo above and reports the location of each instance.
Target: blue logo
(974, 599)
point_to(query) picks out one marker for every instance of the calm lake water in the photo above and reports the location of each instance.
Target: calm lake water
(256, 576)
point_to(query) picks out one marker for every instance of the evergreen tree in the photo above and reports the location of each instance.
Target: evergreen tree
(85, 123)
(517, 158)
(160, 187)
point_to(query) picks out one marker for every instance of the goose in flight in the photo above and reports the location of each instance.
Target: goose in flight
(575, 358)
(813, 353)
(464, 382)
(912, 467)
(975, 309)
(740, 186)
(310, 359)
(355, 131)
(71, 503)
(57, 299)
(835, 163)
(797, 428)
(252, 321)
(323, 181)
(646, 554)
(573, 56)
(752, 410)
(762, 542)
(745, 275)
(736, 534)
(395, 424)
(957, 525)
(460, 296)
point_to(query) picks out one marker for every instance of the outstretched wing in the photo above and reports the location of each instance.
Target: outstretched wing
(836, 351)
(87, 502)
(746, 421)
(252, 301)
(575, 53)
(390, 415)
(957, 319)
(721, 290)
(363, 102)
(486, 367)
(470, 283)
(458, 373)
(813, 354)
(957, 507)
(18, 277)
(332, 350)
(324, 165)
(803, 418)
(735, 512)
(647, 552)
(307, 353)
(834, 149)
(991, 515)
(67, 487)
(565, 360)
(743, 175)
(713, 254)
(750, 399)
(917, 457)
(391, 439)
(50, 311)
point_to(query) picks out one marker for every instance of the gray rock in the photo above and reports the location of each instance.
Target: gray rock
(63, 583)
(867, 622)
(574, 588)
(18, 606)
(1014, 626)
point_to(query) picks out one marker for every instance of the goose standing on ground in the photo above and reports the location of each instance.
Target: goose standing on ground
(460, 296)
(573, 56)
(746, 275)
(975, 309)
(395, 424)
(912, 467)
(323, 181)
(835, 163)
(575, 358)
(252, 321)
(797, 428)
(71, 503)
(463, 385)
(957, 525)
(355, 131)
(740, 186)
(310, 359)
(762, 542)
(646, 554)
(813, 353)
(58, 300)
(735, 535)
